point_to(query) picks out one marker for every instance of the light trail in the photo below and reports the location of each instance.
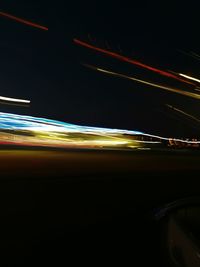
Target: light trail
(23, 21)
(183, 113)
(190, 54)
(195, 55)
(189, 77)
(174, 90)
(14, 100)
(131, 61)
(27, 130)
(32, 131)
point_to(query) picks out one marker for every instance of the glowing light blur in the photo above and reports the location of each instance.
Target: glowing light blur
(131, 61)
(26, 22)
(27, 130)
(32, 131)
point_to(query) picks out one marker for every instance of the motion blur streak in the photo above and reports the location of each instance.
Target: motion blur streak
(131, 61)
(32, 131)
(190, 54)
(9, 99)
(189, 77)
(195, 55)
(29, 23)
(174, 90)
(183, 113)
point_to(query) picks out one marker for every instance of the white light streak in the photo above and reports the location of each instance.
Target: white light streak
(189, 77)
(16, 100)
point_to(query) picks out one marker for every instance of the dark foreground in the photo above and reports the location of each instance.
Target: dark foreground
(89, 207)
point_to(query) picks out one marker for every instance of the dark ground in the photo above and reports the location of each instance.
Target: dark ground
(89, 207)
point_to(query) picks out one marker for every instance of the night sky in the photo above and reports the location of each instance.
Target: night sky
(47, 67)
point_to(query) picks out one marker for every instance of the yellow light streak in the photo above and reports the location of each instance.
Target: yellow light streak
(174, 90)
(183, 112)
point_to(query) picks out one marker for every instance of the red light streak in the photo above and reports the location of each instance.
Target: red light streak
(129, 60)
(29, 23)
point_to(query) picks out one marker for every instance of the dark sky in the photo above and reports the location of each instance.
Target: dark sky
(46, 68)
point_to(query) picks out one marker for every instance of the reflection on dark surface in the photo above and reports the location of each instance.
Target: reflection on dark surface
(184, 237)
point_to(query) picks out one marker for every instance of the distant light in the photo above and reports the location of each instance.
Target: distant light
(144, 148)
